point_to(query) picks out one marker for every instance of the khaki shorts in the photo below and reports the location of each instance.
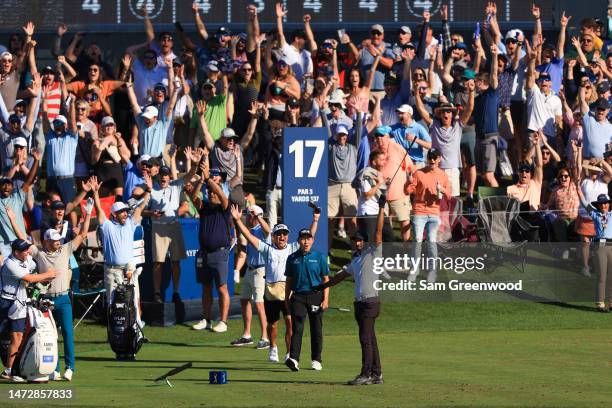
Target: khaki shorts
(168, 237)
(254, 285)
(400, 208)
(114, 277)
(341, 194)
(453, 179)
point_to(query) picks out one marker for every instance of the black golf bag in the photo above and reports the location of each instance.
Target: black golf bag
(124, 334)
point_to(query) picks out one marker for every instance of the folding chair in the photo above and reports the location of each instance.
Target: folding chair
(484, 191)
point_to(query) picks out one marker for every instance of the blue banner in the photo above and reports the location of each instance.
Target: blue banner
(305, 177)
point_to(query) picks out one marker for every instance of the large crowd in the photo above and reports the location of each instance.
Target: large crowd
(413, 117)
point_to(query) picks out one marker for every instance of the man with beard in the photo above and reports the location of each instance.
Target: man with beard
(15, 128)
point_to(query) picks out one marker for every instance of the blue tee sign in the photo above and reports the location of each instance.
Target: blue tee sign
(304, 172)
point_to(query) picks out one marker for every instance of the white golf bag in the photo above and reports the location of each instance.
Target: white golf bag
(37, 357)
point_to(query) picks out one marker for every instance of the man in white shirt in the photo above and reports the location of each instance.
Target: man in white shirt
(544, 109)
(296, 56)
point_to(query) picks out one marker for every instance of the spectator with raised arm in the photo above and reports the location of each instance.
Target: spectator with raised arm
(294, 53)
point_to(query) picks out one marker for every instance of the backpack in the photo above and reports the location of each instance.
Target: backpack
(124, 334)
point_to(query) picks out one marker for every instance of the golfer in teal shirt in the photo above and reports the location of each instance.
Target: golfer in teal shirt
(305, 271)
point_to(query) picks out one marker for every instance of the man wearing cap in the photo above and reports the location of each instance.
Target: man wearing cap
(446, 129)
(294, 53)
(13, 130)
(411, 135)
(133, 174)
(213, 108)
(404, 36)
(429, 186)
(397, 90)
(167, 234)
(118, 238)
(374, 47)
(16, 273)
(275, 256)
(603, 92)
(396, 170)
(335, 115)
(342, 171)
(61, 145)
(153, 125)
(528, 189)
(226, 154)
(552, 57)
(14, 198)
(306, 270)
(164, 43)
(52, 92)
(21, 163)
(367, 303)
(254, 282)
(597, 127)
(544, 108)
(54, 255)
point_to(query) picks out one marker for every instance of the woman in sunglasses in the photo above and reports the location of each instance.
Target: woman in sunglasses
(95, 91)
(563, 204)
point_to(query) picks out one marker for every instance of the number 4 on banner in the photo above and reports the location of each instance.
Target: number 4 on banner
(370, 5)
(297, 147)
(91, 5)
(203, 5)
(314, 5)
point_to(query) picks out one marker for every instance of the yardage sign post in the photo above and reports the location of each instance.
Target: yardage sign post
(305, 179)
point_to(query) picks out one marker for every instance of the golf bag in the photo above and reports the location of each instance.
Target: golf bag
(37, 356)
(124, 334)
(5, 342)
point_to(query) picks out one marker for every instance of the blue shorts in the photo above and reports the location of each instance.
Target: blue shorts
(13, 325)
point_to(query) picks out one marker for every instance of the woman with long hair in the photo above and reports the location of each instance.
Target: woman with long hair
(95, 91)
(359, 90)
(108, 151)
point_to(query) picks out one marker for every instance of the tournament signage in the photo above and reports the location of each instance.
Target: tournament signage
(304, 172)
(104, 14)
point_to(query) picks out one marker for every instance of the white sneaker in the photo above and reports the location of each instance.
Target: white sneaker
(292, 364)
(220, 327)
(141, 324)
(273, 354)
(68, 374)
(586, 271)
(412, 277)
(342, 233)
(316, 365)
(17, 379)
(286, 357)
(6, 374)
(55, 376)
(201, 325)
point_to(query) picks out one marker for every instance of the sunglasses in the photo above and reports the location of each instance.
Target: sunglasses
(6, 60)
(376, 33)
(586, 40)
(511, 41)
(93, 70)
(564, 176)
(544, 152)
(81, 109)
(247, 69)
(150, 57)
(335, 105)
(284, 233)
(418, 74)
(166, 38)
(524, 170)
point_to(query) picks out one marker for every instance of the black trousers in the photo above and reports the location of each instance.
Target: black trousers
(301, 306)
(366, 313)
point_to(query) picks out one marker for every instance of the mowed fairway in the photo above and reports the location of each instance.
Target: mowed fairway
(433, 355)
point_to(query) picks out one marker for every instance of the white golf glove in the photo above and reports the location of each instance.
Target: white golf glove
(89, 206)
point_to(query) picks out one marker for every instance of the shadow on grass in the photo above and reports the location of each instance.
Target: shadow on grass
(198, 381)
(213, 367)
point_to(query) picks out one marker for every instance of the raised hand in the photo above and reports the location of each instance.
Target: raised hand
(494, 49)
(564, 19)
(86, 185)
(148, 180)
(201, 107)
(28, 29)
(253, 108)
(345, 39)
(280, 10)
(195, 7)
(426, 16)
(126, 61)
(535, 11)
(197, 154)
(89, 206)
(251, 10)
(236, 213)
(188, 150)
(95, 185)
(444, 12)
(36, 154)
(575, 42)
(307, 18)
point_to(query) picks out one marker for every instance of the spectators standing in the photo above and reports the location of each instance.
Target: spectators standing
(107, 154)
(411, 135)
(294, 53)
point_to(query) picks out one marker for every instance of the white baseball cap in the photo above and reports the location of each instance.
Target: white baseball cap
(255, 209)
(150, 112)
(405, 108)
(20, 141)
(107, 120)
(52, 235)
(514, 33)
(61, 118)
(142, 158)
(119, 206)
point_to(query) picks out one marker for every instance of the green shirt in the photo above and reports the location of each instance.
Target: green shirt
(306, 270)
(215, 116)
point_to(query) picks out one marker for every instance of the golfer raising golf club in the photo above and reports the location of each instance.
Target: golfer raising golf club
(367, 305)
(275, 257)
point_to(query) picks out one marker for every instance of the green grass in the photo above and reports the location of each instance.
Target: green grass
(433, 355)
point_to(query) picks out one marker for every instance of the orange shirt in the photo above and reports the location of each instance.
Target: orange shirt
(396, 157)
(423, 185)
(530, 192)
(95, 107)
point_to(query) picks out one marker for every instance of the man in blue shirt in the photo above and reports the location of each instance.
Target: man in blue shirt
(486, 106)
(61, 146)
(118, 238)
(305, 271)
(134, 175)
(411, 135)
(373, 47)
